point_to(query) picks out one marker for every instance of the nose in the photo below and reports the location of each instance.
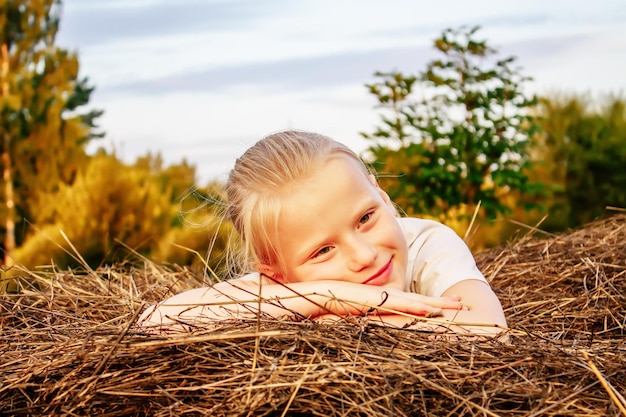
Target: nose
(361, 254)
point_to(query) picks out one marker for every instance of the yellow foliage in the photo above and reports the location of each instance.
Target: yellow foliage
(110, 206)
(42, 248)
(201, 241)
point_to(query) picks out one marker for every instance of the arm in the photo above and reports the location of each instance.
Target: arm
(239, 298)
(483, 305)
(443, 264)
(482, 308)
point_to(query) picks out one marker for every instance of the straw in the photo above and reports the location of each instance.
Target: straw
(69, 346)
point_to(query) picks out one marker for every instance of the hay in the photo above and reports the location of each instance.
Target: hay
(69, 347)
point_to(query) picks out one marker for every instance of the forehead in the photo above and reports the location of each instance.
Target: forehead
(331, 182)
(328, 198)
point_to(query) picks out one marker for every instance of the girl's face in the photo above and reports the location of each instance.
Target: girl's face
(339, 225)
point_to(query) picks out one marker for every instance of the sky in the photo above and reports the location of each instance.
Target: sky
(202, 80)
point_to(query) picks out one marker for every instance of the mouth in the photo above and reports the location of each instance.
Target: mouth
(379, 273)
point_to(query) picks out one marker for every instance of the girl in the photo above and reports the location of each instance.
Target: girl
(324, 241)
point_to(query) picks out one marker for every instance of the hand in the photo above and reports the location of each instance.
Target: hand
(358, 299)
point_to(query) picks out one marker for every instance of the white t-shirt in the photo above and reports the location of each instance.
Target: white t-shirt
(438, 257)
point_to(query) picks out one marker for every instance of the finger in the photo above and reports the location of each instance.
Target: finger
(441, 302)
(425, 310)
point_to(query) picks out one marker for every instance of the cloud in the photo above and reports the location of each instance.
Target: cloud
(302, 74)
(331, 70)
(101, 22)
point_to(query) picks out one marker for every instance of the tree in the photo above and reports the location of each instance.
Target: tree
(202, 237)
(113, 211)
(109, 207)
(457, 133)
(43, 130)
(583, 151)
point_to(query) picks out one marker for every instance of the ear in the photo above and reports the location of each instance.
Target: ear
(382, 193)
(269, 271)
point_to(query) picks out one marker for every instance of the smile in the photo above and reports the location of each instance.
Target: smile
(379, 273)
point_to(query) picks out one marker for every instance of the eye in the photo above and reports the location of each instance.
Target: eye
(366, 218)
(321, 252)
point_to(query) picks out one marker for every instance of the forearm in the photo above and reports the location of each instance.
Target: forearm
(236, 299)
(437, 327)
(483, 314)
(246, 299)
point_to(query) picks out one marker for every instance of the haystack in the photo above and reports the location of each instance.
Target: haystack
(69, 347)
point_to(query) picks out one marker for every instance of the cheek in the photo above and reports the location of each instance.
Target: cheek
(316, 272)
(295, 274)
(393, 231)
(398, 240)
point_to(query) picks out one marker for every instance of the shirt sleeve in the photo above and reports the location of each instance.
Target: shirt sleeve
(438, 257)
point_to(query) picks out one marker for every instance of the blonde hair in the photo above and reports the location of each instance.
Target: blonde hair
(260, 179)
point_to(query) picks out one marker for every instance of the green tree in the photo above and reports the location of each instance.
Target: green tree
(583, 152)
(457, 133)
(43, 130)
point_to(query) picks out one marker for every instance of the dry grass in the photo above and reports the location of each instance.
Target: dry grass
(69, 347)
